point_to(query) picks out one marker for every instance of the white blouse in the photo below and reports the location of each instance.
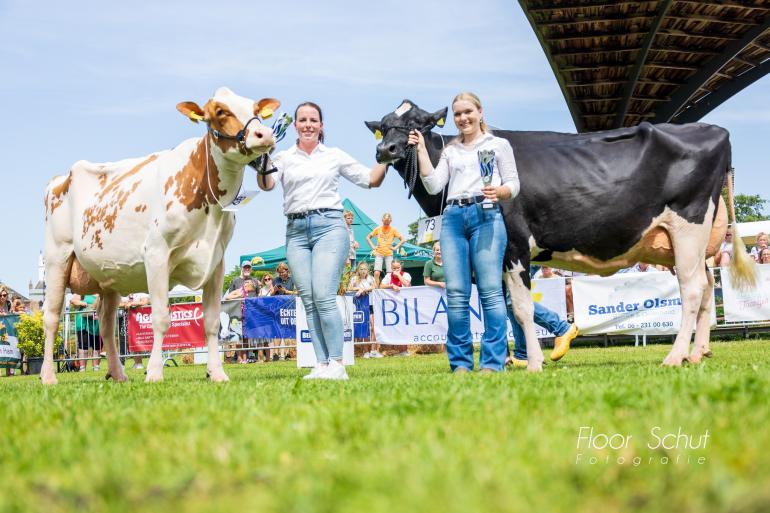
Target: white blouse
(459, 165)
(311, 181)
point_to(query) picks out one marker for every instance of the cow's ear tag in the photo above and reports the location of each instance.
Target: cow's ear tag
(440, 122)
(195, 117)
(266, 113)
(378, 135)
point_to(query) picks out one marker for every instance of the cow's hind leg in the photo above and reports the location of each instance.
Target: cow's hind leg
(523, 310)
(57, 269)
(108, 307)
(703, 322)
(212, 290)
(689, 255)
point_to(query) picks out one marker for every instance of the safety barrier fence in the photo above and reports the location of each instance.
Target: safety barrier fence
(617, 307)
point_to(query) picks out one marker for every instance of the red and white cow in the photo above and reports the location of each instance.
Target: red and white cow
(149, 223)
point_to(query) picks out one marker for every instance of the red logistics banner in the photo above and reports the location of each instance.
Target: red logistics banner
(185, 331)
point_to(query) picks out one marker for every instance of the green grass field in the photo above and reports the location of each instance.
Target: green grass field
(402, 435)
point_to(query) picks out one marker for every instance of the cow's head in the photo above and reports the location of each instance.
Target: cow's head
(234, 123)
(394, 129)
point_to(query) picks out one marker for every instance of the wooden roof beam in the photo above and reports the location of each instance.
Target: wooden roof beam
(573, 109)
(712, 19)
(746, 62)
(585, 5)
(720, 3)
(592, 19)
(683, 94)
(599, 99)
(682, 33)
(761, 46)
(593, 52)
(689, 51)
(641, 57)
(590, 35)
(610, 114)
(696, 111)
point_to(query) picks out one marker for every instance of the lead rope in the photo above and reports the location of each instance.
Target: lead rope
(411, 170)
(443, 191)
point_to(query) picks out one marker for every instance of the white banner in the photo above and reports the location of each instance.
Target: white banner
(549, 292)
(305, 353)
(417, 315)
(631, 303)
(752, 305)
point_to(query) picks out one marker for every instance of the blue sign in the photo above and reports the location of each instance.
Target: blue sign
(361, 317)
(270, 317)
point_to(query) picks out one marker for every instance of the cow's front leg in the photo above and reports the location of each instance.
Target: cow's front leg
(212, 291)
(157, 282)
(523, 310)
(107, 308)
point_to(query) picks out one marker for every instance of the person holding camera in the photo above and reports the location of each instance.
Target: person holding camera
(283, 284)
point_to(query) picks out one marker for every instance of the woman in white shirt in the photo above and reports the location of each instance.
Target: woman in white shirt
(473, 236)
(317, 241)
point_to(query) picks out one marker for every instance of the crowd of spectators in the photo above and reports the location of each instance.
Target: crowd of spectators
(725, 254)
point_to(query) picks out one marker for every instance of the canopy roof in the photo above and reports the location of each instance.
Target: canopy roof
(414, 256)
(619, 63)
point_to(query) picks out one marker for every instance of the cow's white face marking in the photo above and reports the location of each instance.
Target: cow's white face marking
(403, 109)
(243, 109)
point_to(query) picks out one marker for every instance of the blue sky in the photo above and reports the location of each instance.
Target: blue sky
(100, 81)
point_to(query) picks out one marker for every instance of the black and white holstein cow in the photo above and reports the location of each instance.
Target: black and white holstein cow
(149, 223)
(597, 203)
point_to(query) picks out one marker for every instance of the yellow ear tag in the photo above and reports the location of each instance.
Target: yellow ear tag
(440, 122)
(377, 135)
(266, 112)
(195, 117)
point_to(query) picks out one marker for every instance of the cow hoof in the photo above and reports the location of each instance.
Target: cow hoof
(117, 378)
(153, 377)
(217, 376)
(708, 353)
(673, 360)
(533, 367)
(48, 379)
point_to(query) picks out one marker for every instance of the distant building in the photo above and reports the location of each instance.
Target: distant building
(37, 291)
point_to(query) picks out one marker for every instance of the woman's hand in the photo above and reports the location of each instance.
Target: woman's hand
(416, 138)
(495, 193)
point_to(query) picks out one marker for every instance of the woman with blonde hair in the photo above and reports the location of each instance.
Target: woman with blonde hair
(480, 170)
(362, 283)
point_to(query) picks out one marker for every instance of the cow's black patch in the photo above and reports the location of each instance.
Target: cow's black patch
(595, 193)
(543, 256)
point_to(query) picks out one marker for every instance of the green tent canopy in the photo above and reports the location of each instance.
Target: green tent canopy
(412, 256)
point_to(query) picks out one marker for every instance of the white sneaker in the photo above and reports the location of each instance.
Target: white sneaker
(335, 371)
(317, 372)
(368, 355)
(377, 354)
(138, 366)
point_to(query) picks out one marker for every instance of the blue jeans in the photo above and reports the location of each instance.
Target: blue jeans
(544, 317)
(474, 239)
(317, 247)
